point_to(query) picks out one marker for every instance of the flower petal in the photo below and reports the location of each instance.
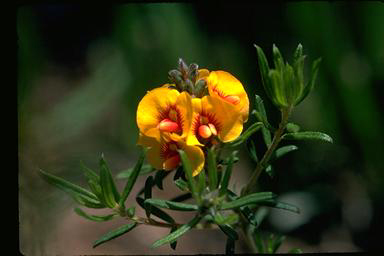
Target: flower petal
(151, 107)
(225, 86)
(195, 156)
(228, 120)
(154, 151)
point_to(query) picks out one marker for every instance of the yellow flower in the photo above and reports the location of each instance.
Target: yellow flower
(224, 86)
(214, 117)
(166, 110)
(163, 154)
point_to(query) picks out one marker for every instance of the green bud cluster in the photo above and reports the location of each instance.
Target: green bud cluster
(185, 78)
(285, 84)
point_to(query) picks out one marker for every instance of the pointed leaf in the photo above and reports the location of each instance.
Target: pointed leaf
(148, 194)
(291, 127)
(251, 130)
(159, 177)
(181, 184)
(254, 198)
(87, 201)
(66, 186)
(308, 136)
(94, 217)
(252, 150)
(212, 170)
(114, 233)
(229, 231)
(178, 232)
(281, 205)
(173, 244)
(188, 172)
(132, 178)
(172, 205)
(311, 83)
(156, 211)
(264, 71)
(201, 184)
(298, 53)
(145, 169)
(282, 151)
(227, 175)
(181, 198)
(107, 185)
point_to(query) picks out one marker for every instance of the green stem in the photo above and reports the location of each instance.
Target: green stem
(264, 161)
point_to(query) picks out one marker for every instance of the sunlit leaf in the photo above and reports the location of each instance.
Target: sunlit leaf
(114, 233)
(181, 184)
(229, 231)
(108, 187)
(311, 83)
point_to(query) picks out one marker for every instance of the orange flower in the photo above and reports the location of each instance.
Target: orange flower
(224, 86)
(214, 117)
(163, 154)
(166, 110)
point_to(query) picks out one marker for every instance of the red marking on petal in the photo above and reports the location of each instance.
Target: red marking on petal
(232, 99)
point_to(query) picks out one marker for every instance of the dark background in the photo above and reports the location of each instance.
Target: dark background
(83, 69)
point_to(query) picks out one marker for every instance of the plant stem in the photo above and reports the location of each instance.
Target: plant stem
(263, 162)
(152, 222)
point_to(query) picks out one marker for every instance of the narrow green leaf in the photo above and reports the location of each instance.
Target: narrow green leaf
(114, 233)
(132, 178)
(179, 173)
(201, 182)
(260, 215)
(277, 58)
(148, 194)
(308, 136)
(230, 219)
(212, 170)
(65, 185)
(276, 243)
(89, 174)
(265, 130)
(181, 184)
(103, 165)
(311, 83)
(281, 205)
(243, 137)
(177, 233)
(298, 53)
(107, 185)
(259, 241)
(145, 169)
(283, 151)
(188, 172)
(252, 150)
(173, 244)
(227, 175)
(156, 211)
(181, 197)
(229, 231)
(230, 246)
(159, 177)
(87, 201)
(245, 210)
(94, 217)
(172, 205)
(264, 71)
(254, 198)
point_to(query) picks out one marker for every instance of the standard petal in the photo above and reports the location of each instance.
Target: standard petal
(152, 107)
(226, 87)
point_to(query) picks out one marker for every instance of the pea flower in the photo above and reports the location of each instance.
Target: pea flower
(214, 117)
(163, 154)
(166, 110)
(224, 86)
